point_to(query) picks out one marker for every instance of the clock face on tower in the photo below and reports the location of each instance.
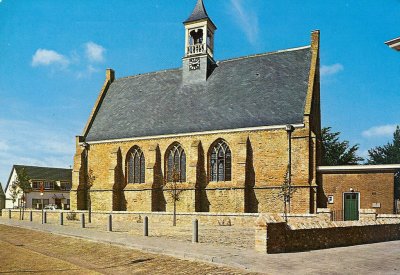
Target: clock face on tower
(194, 64)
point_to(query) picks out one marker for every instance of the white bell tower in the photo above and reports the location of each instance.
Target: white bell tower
(198, 61)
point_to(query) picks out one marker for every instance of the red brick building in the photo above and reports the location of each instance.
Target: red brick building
(346, 189)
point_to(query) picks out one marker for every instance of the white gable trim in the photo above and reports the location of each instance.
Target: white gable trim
(274, 127)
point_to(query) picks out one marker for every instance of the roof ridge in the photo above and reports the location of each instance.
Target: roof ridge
(149, 73)
(34, 166)
(264, 54)
(218, 61)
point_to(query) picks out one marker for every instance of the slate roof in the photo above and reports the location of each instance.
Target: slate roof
(198, 13)
(43, 173)
(261, 90)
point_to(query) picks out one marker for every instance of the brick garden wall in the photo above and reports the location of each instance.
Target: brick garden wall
(273, 236)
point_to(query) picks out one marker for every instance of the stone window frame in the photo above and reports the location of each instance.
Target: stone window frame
(38, 183)
(216, 147)
(179, 159)
(65, 185)
(138, 175)
(49, 185)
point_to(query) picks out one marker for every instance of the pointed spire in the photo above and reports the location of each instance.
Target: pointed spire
(198, 13)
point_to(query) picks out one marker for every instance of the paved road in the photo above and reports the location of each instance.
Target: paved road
(380, 258)
(25, 251)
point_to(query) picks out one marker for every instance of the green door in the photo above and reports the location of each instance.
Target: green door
(350, 206)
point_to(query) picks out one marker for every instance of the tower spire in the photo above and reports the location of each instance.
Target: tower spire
(199, 13)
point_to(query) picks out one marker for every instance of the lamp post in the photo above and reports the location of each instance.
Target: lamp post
(41, 196)
(87, 191)
(289, 130)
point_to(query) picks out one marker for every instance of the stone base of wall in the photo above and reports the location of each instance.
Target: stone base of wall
(228, 219)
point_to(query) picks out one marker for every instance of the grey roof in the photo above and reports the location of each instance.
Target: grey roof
(198, 13)
(260, 90)
(2, 195)
(43, 173)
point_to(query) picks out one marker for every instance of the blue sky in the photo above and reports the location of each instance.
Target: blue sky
(54, 55)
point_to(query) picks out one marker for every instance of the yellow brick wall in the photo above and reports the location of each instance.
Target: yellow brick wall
(259, 161)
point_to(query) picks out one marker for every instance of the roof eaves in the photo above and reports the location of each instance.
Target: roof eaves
(9, 178)
(357, 168)
(96, 107)
(314, 69)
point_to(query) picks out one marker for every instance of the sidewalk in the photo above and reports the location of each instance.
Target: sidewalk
(243, 259)
(367, 259)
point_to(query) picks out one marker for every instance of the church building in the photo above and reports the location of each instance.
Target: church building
(229, 134)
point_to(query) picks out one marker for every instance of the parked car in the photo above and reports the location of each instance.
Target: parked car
(50, 207)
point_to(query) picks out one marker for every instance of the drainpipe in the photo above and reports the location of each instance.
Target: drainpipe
(289, 130)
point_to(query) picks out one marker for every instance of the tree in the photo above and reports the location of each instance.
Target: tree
(337, 152)
(386, 154)
(173, 190)
(23, 182)
(286, 193)
(14, 192)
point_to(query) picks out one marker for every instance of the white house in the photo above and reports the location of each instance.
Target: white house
(55, 183)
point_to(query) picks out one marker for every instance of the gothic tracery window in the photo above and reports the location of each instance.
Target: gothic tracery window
(176, 163)
(220, 162)
(135, 166)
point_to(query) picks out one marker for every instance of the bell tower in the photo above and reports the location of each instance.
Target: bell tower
(198, 62)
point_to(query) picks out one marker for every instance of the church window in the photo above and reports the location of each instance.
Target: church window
(176, 163)
(220, 162)
(135, 166)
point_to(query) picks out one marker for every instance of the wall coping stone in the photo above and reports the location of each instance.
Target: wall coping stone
(146, 213)
(324, 210)
(367, 211)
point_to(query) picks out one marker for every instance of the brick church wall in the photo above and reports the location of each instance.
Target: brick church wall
(259, 162)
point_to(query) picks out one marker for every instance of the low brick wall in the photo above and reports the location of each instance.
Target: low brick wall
(233, 219)
(278, 237)
(320, 238)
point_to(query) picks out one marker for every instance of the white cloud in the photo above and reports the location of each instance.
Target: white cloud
(43, 57)
(94, 52)
(247, 20)
(380, 131)
(326, 70)
(87, 73)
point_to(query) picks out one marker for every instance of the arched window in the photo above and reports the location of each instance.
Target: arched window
(220, 162)
(135, 165)
(176, 163)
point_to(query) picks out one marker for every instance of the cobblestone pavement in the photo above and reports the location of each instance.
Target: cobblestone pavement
(231, 236)
(379, 258)
(27, 251)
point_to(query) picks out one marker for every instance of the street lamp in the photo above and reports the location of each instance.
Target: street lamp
(289, 130)
(41, 195)
(86, 147)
